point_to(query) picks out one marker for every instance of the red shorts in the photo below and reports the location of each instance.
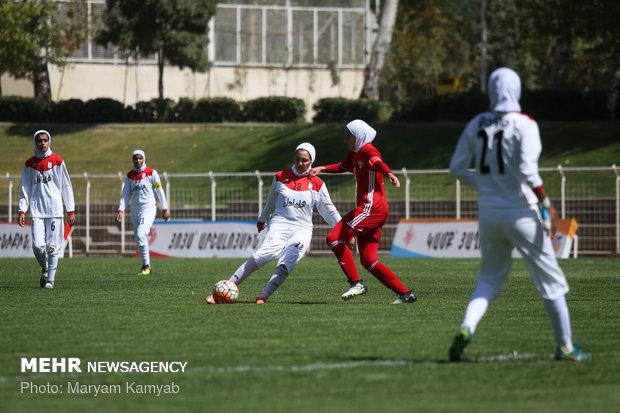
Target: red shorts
(365, 225)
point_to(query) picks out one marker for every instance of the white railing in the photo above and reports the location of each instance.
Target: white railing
(589, 194)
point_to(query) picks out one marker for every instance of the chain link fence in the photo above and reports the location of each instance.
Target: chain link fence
(590, 195)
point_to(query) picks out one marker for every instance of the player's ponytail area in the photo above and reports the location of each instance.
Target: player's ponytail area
(305, 349)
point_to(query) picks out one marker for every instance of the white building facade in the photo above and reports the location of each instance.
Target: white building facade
(304, 49)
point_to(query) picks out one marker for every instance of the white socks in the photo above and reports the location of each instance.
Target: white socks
(276, 280)
(244, 271)
(476, 309)
(560, 320)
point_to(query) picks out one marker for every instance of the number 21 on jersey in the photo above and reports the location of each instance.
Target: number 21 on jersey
(497, 137)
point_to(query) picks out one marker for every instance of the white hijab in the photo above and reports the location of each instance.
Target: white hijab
(37, 152)
(138, 152)
(306, 147)
(363, 133)
(504, 90)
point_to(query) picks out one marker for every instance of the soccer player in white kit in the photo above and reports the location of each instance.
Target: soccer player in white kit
(45, 184)
(141, 184)
(291, 201)
(513, 211)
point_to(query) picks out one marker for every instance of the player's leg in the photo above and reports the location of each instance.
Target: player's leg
(270, 248)
(37, 230)
(294, 250)
(142, 223)
(368, 245)
(535, 246)
(336, 240)
(495, 264)
(54, 234)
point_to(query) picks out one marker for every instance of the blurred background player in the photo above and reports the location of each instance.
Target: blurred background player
(290, 204)
(141, 184)
(504, 145)
(367, 219)
(45, 184)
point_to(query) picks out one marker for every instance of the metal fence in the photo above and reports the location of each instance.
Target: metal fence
(591, 195)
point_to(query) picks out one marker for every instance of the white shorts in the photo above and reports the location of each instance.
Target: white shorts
(290, 243)
(500, 231)
(48, 233)
(142, 220)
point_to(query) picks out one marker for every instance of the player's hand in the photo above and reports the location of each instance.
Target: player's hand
(261, 225)
(166, 215)
(351, 243)
(71, 220)
(119, 216)
(22, 220)
(393, 180)
(553, 214)
(315, 171)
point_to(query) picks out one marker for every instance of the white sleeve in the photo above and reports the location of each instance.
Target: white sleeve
(461, 159)
(125, 196)
(66, 188)
(159, 190)
(531, 148)
(326, 207)
(270, 205)
(26, 190)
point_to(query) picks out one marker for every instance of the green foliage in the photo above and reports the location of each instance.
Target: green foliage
(454, 107)
(22, 109)
(26, 27)
(68, 111)
(306, 350)
(274, 109)
(345, 110)
(104, 110)
(154, 110)
(218, 110)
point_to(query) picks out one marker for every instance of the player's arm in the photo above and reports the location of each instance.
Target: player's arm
(125, 197)
(462, 158)
(345, 166)
(159, 190)
(24, 195)
(269, 207)
(547, 211)
(67, 194)
(326, 207)
(377, 164)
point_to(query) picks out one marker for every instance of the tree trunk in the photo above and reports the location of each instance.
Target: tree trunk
(160, 66)
(41, 77)
(559, 69)
(613, 93)
(374, 69)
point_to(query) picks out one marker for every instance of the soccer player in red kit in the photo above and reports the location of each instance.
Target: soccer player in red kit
(367, 219)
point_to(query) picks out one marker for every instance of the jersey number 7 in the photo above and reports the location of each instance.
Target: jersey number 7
(497, 137)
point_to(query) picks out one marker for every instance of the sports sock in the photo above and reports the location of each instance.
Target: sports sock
(145, 255)
(387, 277)
(560, 321)
(52, 264)
(244, 271)
(276, 280)
(476, 309)
(345, 260)
(39, 254)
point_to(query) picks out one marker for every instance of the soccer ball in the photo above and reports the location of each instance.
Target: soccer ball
(225, 292)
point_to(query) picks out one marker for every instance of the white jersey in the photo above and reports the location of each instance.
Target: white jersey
(505, 148)
(142, 187)
(292, 199)
(45, 184)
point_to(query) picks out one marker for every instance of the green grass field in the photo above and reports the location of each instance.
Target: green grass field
(305, 350)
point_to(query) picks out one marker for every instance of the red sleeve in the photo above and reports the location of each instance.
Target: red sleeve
(345, 166)
(379, 166)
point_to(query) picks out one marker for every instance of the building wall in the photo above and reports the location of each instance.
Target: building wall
(132, 83)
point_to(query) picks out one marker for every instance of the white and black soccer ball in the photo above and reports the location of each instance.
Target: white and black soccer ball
(225, 292)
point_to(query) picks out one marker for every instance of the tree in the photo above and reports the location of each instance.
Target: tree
(175, 31)
(33, 34)
(374, 69)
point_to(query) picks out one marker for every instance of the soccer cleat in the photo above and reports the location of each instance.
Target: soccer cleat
(43, 278)
(210, 299)
(461, 340)
(260, 300)
(49, 285)
(408, 297)
(575, 355)
(146, 270)
(357, 288)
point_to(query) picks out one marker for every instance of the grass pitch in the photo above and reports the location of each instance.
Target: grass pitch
(305, 350)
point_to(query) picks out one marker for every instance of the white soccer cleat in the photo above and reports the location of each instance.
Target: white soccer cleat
(356, 289)
(49, 285)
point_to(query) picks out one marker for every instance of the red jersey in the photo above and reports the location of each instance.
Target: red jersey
(368, 169)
